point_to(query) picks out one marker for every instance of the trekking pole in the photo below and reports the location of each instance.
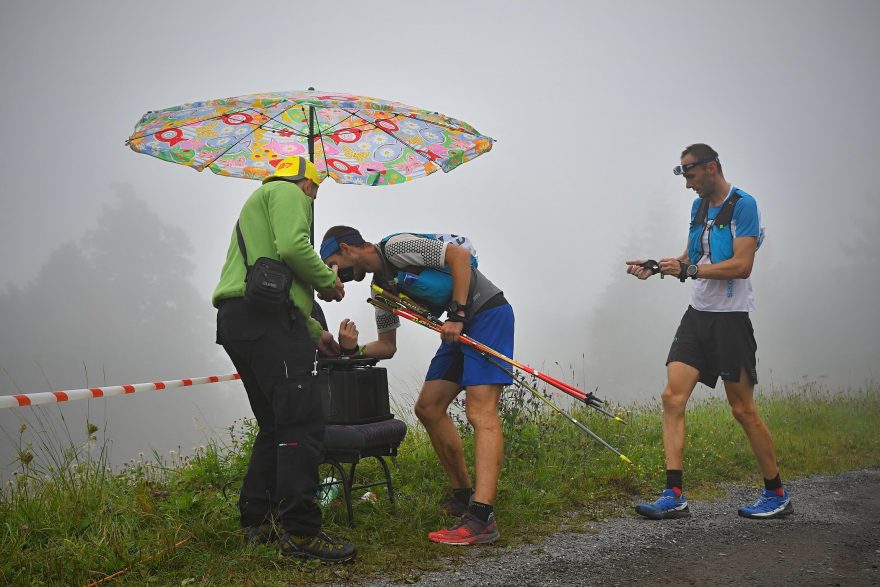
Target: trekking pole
(409, 303)
(415, 313)
(522, 382)
(383, 303)
(407, 308)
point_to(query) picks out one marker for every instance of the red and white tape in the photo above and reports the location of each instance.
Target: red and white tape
(52, 397)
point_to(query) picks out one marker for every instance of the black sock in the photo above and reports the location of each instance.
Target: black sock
(481, 510)
(774, 485)
(673, 480)
(462, 495)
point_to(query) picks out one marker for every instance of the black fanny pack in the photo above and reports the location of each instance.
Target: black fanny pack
(267, 281)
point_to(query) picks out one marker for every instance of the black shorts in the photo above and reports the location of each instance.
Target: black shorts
(717, 344)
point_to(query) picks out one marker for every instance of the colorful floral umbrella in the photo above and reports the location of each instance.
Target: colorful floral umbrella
(352, 139)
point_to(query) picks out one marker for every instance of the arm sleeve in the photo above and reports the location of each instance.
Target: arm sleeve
(385, 320)
(406, 250)
(314, 327)
(290, 211)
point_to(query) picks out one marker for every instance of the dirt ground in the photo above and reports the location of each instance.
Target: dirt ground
(833, 538)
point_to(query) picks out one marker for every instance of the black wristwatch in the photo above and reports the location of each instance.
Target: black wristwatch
(687, 271)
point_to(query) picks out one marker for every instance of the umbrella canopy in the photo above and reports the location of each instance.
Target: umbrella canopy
(352, 139)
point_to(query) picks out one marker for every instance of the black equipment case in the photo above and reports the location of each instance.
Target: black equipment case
(355, 391)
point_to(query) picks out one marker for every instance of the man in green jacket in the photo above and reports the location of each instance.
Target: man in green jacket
(273, 349)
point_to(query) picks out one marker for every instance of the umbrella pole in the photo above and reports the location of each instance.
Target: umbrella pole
(312, 159)
(311, 132)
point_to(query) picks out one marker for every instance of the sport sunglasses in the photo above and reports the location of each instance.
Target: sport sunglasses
(679, 169)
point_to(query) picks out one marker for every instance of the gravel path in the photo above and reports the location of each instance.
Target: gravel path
(833, 538)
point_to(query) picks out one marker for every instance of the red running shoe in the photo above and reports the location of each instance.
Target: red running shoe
(469, 530)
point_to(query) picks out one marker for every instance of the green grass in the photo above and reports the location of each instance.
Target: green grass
(77, 521)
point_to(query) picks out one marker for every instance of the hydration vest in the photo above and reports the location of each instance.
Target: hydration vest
(720, 233)
(427, 285)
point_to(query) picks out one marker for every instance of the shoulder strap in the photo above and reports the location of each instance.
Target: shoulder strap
(388, 270)
(387, 238)
(725, 215)
(700, 216)
(241, 247)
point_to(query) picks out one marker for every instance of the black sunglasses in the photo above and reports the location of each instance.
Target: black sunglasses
(679, 169)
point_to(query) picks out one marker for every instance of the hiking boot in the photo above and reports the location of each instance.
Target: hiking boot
(319, 546)
(665, 508)
(262, 534)
(768, 505)
(469, 530)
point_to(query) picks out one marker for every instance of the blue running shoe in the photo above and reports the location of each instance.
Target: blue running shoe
(768, 505)
(665, 508)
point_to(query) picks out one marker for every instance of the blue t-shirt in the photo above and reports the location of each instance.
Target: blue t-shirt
(728, 295)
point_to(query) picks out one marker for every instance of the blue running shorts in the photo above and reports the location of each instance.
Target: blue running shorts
(465, 365)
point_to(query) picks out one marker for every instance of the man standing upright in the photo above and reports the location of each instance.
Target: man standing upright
(272, 344)
(715, 337)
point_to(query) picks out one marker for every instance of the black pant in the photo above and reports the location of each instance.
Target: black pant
(274, 355)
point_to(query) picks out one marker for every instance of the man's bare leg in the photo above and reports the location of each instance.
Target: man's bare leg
(741, 396)
(430, 408)
(482, 413)
(681, 380)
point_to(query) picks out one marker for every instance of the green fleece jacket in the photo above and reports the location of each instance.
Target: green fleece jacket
(275, 223)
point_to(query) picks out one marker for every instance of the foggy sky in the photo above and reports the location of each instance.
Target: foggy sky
(590, 104)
